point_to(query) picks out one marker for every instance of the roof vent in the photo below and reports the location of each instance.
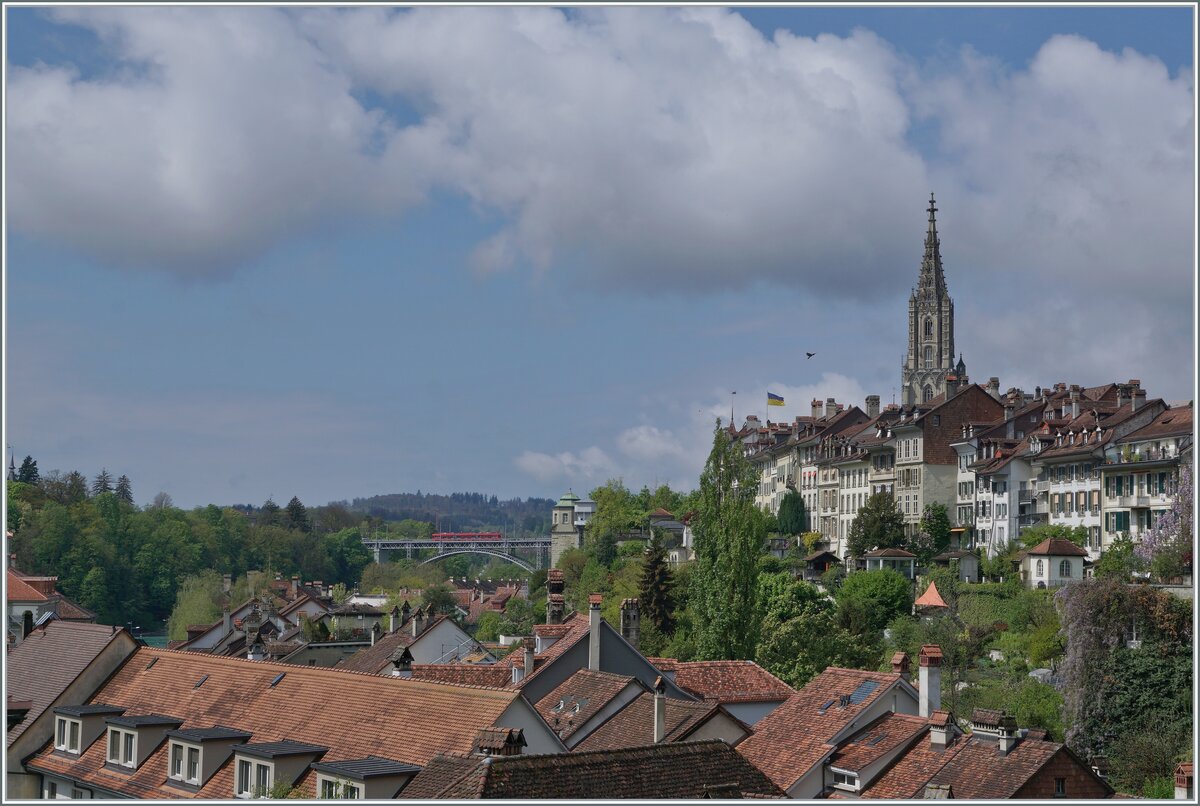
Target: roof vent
(151, 663)
(200, 682)
(278, 677)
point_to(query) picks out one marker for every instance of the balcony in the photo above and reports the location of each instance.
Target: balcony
(1043, 486)
(1133, 501)
(1144, 455)
(1025, 496)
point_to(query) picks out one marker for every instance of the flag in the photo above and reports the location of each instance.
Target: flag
(774, 400)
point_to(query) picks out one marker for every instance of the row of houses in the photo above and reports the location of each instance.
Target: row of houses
(1102, 458)
(577, 711)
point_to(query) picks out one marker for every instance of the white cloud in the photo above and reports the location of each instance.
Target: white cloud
(590, 464)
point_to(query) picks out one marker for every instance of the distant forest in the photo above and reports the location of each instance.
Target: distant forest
(460, 512)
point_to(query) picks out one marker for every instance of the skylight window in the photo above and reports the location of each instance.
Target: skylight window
(200, 682)
(278, 677)
(863, 691)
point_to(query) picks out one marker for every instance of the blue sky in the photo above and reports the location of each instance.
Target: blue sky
(328, 253)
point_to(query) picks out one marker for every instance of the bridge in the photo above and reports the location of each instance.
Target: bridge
(448, 544)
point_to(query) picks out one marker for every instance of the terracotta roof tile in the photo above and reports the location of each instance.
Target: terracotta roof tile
(730, 681)
(420, 719)
(675, 770)
(930, 598)
(377, 659)
(1057, 547)
(29, 674)
(876, 740)
(634, 724)
(470, 674)
(788, 741)
(905, 778)
(21, 591)
(578, 698)
(977, 770)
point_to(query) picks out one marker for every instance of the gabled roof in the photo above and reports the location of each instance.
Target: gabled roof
(658, 771)
(377, 659)
(577, 625)
(1057, 547)
(901, 553)
(468, 674)
(408, 721)
(578, 698)
(21, 591)
(1171, 423)
(788, 741)
(977, 770)
(634, 724)
(42, 666)
(730, 681)
(876, 740)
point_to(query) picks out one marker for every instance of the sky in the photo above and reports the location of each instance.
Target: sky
(258, 252)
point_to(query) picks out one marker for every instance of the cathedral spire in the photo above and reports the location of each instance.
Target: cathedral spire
(933, 281)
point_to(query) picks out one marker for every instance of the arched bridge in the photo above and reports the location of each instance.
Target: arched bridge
(516, 550)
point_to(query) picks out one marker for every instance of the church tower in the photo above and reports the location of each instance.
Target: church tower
(930, 357)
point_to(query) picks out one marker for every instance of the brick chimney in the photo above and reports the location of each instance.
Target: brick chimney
(816, 408)
(555, 604)
(660, 709)
(497, 741)
(930, 679)
(527, 646)
(872, 406)
(1138, 399)
(294, 586)
(830, 407)
(995, 725)
(594, 602)
(900, 664)
(630, 621)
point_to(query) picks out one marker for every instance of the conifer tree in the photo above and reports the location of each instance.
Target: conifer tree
(878, 525)
(102, 483)
(28, 472)
(297, 515)
(793, 520)
(124, 489)
(656, 594)
(270, 512)
(730, 532)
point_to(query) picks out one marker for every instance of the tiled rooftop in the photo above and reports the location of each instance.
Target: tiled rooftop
(578, 698)
(634, 724)
(730, 681)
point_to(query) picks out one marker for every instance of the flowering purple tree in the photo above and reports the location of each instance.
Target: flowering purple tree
(1167, 547)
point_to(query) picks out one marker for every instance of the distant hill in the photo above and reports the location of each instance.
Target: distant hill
(460, 512)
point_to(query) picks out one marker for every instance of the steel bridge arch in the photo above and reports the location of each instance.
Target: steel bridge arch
(497, 553)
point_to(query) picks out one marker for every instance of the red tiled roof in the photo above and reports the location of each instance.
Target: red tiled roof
(788, 741)
(467, 674)
(1172, 422)
(634, 724)
(579, 697)
(930, 598)
(905, 778)
(977, 770)
(409, 721)
(21, 591)
(890, 553)
(877, 740)
(730, 681)
(1057, 547)
(658, 771)
(577, 630)
(41, 667)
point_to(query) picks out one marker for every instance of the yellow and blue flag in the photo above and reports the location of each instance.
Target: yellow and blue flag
(774, 400)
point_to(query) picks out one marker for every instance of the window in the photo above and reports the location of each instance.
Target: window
(254, 778)
(262, 778)
(928, 393)
(332, 789)
(122, 747)
(243, 779)
(176, 761)
(1060, 787)
(928, 359)
(928, 329)
(1064, 569)
(66, 735)
(190, 774)
(1041, 568)
(844, 780)
(51, 790)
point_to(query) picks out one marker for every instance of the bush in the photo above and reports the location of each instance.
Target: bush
(868, 600)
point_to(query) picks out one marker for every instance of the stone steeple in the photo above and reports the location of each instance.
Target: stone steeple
(930, 356)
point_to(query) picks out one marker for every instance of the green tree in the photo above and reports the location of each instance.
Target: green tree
(793, 519)
(800, 648)
(347, 554)
(28, 474)
(487, 628)
(1118, 560)
(438, 599)
(75, 488)
(296, 516)
(868, 600)
(94, 594)
(103, 482)
(729, 536)
(656, 596)
(197, 601)
(124, 489)
(269, 513)
(878, 525)
(618, 511)
(935, 526)
(1036, 534)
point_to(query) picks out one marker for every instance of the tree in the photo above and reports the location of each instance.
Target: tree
(347, 554)
(339, 593)
(1167, 546)
(102, 483)
(438, 599)
(935, 526)
(196, 602)
(1119, 560)
(729, 536)
(868, 600)
(269, 513)
(297, 516)
(28, 474)
(793, 519)
(487, 628)
(94, 594)
(75, 488)
(656, 595)
(618, 511)
(1036, 534)
(124, 489)
(878, 525)
(162, 501)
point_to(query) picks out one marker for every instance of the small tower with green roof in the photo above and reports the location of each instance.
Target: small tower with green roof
(563, 534)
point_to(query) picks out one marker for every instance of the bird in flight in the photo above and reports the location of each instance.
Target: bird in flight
(810, 355)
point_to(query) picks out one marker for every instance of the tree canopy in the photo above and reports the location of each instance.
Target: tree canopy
(878, 525)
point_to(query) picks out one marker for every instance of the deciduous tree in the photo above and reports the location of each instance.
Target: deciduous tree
(878, 525)
(868, 600)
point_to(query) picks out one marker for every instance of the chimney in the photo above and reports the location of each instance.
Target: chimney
(394, 621)
(405, 612)
(226, 621)
(993, 387)
(872, 406)
(930, 680)
(375, 631)
(527, 644)
(630, 619)
(402, 662)
(816, 408)
(995, 725)
(555, 608)
(940, 726)
(1139, 398)
(594, 601)
(830, 407)
(1123, 394)
(900, 664)
(660, 709)
(226, 583)
(418, 622)
(294, 587)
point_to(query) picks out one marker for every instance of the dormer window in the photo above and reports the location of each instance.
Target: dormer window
(254, 778)
(122, 748)
(66, 735)
(185, 764)
(845, 780)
